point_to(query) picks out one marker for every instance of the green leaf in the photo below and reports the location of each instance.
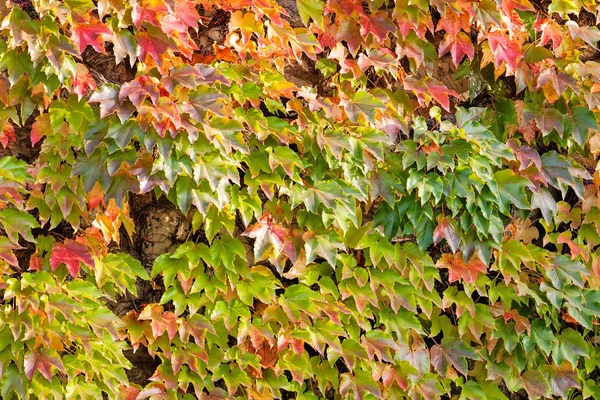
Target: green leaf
(579, 122)
(452, 351)
(311, 9)
(224, 250)
(571, 346)
(363, 103)
(17, 222)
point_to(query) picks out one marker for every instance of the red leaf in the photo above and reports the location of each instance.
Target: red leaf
(459, 46)
(458, 270)
(43, 361)
(551, 31)
(379, 24)
(83, 81)
(147, 11)
(93, 34)
(149, 44)
(504, 49)
(440, 93)
(8, 134)
(71, 253)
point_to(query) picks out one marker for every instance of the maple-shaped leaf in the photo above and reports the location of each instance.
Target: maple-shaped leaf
(452, 351)
(446, 230)
(82, 81)
(42, 360)
(17, 222)
(546, 119)
(201, 100)
(108, 97)
(504, 49)
(508, 6)
(459, 46)
(564, 378)
(125, 45)
(266, 233)
(40, 128)
(453, 23)
(551, 31)
(6, 251)
(137, 90)
(363, 103)
(589, 34)
(91, 34)
(535, 383)
(311, 9)
(458, 269)
(7, 135)
(71, 253)
(160, 320)
(579, 122)
(148, 11)
(152, 42)
(359, 383)
(559, 80)
(379, 24)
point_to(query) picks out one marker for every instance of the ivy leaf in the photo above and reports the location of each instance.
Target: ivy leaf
(224, 250)
(459, 270)
(363, 103)
(359, 383)
(12, 381)
(17, 222)
(266, 234)
(125, 45)
(152, 42)
(565, 271)
(6, 251)
(564, 378)
(91, 34)
(589, 34)
(42, 360)
(311, 9)
(160, 320)
(459, 46)
(40, 128)
(504, 49)
(123, 133)
(446, 230)
(570, 346)
(546, 119)
(452, 351)
(510, 190)
(228, 133)
(138, 89)
(535, 383)
(379, 24)
(71, 253)
(579, 122)
(7, 135)
(108, 97)
(122, 269)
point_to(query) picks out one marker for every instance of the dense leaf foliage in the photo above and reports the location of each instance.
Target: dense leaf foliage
(388, 199)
